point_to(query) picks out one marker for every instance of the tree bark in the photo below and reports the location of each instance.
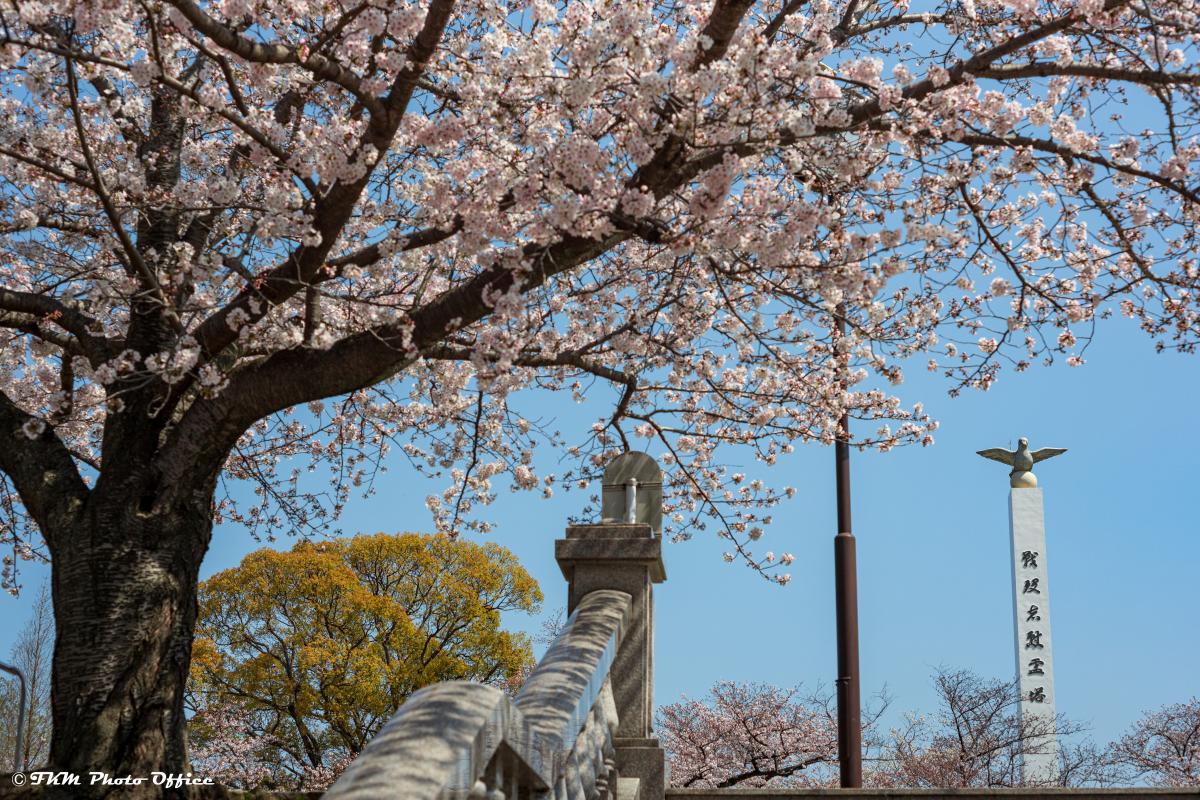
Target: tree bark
(124, 585)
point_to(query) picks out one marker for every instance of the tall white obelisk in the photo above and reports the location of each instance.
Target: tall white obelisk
(1031, 610)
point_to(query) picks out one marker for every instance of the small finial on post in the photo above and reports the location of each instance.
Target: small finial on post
(632, 492)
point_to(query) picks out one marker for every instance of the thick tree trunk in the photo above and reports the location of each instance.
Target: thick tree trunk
(125, 606)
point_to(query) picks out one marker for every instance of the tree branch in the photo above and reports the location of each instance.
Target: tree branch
(976, 63)
(723, 22)
(318, 65)
(1045, 69)
(28, 324)
(334, 210)
(114, 218)
(43, 307)
(41, 469)
(209, 428)
(1067, 154)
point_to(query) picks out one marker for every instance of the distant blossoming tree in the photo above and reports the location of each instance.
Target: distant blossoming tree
(977, 737)
(225, 747)
(1163, 747)
(755, 735)
(226, 743)
(237, 235)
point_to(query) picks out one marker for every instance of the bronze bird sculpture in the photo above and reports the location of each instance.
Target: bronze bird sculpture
(1021, 460)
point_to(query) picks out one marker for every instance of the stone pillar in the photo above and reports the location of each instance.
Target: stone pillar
(626, 557)
(1031, 625)
(1031, 607)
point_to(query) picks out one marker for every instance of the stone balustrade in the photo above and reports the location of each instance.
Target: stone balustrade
(458, 740)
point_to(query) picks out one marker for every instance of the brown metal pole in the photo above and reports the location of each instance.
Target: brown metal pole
(846, 589)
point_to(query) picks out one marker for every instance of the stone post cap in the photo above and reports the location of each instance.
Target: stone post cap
(633, 477)
(615, 544)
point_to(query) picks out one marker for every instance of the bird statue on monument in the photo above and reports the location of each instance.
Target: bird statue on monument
(1021, 460)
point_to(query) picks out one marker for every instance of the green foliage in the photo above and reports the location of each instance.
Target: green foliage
(321, 644)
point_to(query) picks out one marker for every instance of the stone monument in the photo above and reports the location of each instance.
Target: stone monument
(1031, 608)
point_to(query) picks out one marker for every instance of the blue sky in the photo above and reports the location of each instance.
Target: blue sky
(1123, 546)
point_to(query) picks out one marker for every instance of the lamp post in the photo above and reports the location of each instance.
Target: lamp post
(846, 591)
(17, 760)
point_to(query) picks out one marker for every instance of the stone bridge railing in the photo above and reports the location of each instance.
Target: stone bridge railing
(580, 728)
(467, 740)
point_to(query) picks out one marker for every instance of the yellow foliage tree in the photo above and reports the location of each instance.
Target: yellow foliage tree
(319, 646)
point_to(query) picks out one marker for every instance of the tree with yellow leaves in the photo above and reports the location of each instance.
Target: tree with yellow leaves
(317, 647)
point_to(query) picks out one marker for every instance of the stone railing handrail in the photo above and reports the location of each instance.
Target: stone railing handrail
(458, 740)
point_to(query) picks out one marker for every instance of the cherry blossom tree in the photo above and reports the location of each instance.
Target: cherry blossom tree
(1163, 747)
(225, 747)
(755, 735)
(977, 737)
(245, 239)
(228, 745)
